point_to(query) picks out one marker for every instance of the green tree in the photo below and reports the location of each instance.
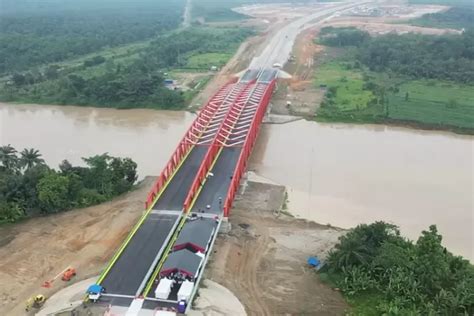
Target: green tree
(10, 212)
(99, 176)
(35, 188)
(410, 279)
(452, 103)
(18, 79)
(52, 72)
(8, 157)
(30, 157)
(53, 192)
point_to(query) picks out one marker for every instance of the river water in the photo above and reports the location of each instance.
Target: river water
(66, 132)
(336, 173)
(345, 174)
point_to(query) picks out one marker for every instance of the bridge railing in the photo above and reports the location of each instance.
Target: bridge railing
(247, 148)
(213, 150)
(186, 143)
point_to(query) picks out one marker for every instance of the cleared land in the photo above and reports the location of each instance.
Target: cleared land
(38, 249)
(263, 258)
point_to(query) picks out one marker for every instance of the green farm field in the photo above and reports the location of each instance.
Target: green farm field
(434, 102)
(427, 103)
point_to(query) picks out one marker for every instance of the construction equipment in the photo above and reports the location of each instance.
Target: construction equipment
(35, 302)
(68, 274)
(65, 275)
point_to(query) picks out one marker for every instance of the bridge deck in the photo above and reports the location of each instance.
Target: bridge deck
(131, 270)
(218, 185)
(127, 273)
(176, 191)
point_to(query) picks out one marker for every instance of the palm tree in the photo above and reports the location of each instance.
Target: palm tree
(8, 157)
(30, 157)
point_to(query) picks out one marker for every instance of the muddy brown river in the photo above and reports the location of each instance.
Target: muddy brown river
(335, 173)
(345, 174)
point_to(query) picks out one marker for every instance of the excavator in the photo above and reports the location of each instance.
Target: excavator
(35, 302)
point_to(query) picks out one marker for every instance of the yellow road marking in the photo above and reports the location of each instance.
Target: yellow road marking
(140, 222)
(175, 236)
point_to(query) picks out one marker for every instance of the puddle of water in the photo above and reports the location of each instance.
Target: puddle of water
(59, 132)
(345, 175)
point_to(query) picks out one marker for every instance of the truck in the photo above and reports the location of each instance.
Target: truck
(94, 292)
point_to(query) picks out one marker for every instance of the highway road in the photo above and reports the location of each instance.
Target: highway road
(279, 48)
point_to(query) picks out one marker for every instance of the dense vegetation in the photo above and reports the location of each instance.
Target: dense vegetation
(61, 29)
(29, 187)
(132, 78)
(415, 79)
(456, 18)
(447, 57)
(382, 273)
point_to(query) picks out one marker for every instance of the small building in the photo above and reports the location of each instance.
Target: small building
(196, 235)
(184, 262)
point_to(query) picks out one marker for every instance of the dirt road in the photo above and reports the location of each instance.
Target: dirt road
(36, 250)
(263, 259)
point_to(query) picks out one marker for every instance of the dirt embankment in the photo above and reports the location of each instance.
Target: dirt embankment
(38, 249)
(263, 258)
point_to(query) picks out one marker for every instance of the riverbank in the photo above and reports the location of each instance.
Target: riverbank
(36, 250)
(262, 260)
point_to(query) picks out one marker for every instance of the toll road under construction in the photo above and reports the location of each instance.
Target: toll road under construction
(160, 263)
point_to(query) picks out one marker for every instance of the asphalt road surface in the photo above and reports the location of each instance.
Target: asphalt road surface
(130, 269)
(279, 48)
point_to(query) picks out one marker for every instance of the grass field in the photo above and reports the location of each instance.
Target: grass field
(429, 103)
(350, 94)
(434, 102)
(206, 60)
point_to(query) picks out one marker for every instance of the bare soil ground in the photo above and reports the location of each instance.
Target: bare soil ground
(300, 90)
(263, 258)
(38, 249)
(379, 26)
